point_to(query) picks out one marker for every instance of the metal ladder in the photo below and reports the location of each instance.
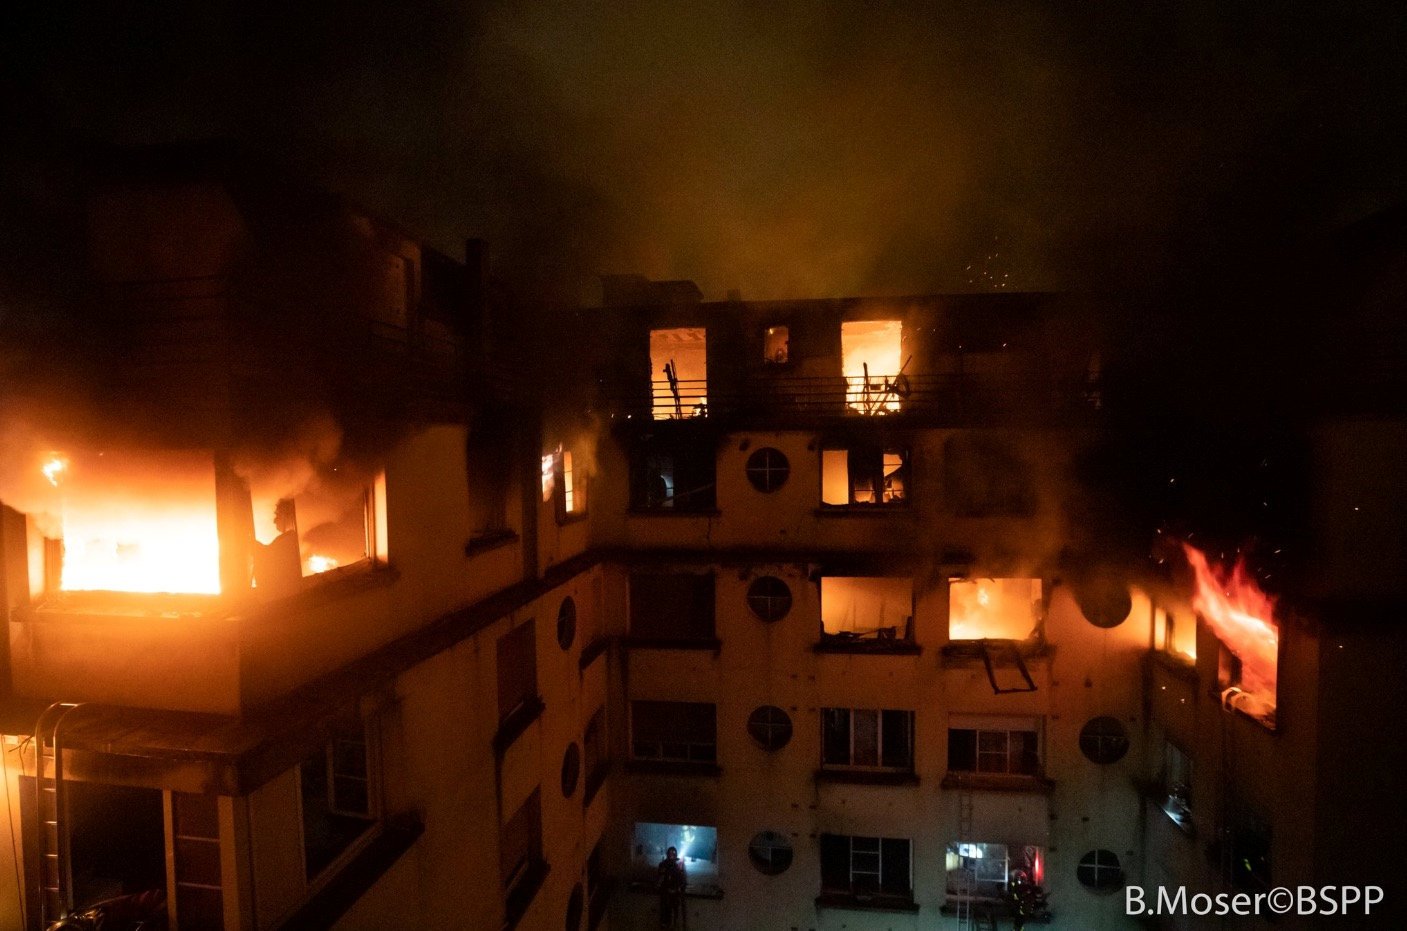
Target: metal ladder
(51, 804)
(966, 886)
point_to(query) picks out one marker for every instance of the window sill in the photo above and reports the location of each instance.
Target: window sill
(483, 542)
(863, 510)
(592, 650)
(520, 896)
(674, 512)
(868, 777)
(996, 782)
(866, 903)
(673, 768)
(668, 643)
(516, 723)
(690, 892)
(874, 645)
(594, 781)
(957, 654)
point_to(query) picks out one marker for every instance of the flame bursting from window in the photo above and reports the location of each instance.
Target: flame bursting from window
(870, 351)
(137, 522)
(1243, 618)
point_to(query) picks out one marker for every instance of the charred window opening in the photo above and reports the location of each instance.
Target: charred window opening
(695, 844)
(520, 863)
(994, 746)
(679, 366)
(674, 731)
(986, 477)
(874, 372)
(867, 739)
(865, 476)
(673, 474)
(995, 609)
(983, 871)
(776, 345)
(338, 796)
(866, 867)
(326, 527)
(860, 610)
(676, 606)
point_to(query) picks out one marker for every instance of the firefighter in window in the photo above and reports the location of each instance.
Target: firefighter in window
(1025, 899)
(670, 880)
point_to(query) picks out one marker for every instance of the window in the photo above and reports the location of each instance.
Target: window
(855, 608)
(979, 871)
(195, 829)
(866, 866)
(870, 357)
(571, 769)
(338, 801)
(1105, 603)
(672, 607)
(769, 598)
(994, 609)
(1175, 635)
(489, 462)
(1100, 870)
(595, 757)
(770, 853)
(864, 476)
(1176, 780)
(321, 528)
(863, 738)
(994, 745)
(697, 846)
(566, 623)
(676, 731)
(679, 367)
(517, 671)
(520, 855)
(985, 477)
(776, 345)
(767, 469)
(770, 726)
(1250, 849)
(673, 474)
(1103, 740)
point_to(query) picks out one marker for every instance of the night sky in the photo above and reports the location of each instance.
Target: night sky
(787, 150)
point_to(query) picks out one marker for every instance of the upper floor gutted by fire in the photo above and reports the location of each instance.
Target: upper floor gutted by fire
(344, 590)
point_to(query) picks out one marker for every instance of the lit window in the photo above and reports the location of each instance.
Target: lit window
(857, 609)
(776, 345)
(564, 481)
(325, 526)
(994, 609)
(696, 846)
(1175, 634)
(864, 476)
(865, 738)
(679, 367)
(870, 358)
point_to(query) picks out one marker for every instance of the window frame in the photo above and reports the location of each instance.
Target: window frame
(880, 729)
(1008, 754)
(689, 756)
(854, 891)
(372, 817)
(879, 450)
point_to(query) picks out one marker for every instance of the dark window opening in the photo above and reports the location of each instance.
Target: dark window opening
(996, 751)
(675, 731)
(862, 738)
(673, 475)
(517, 671)
(770, 853)
(195, 828)
(337, 796)
(593, 752)
(768, 469)
(770, 726)
(1177, 785)
(571, 769)
(520, 855)
(1250, 852)
(566, 623)
(1103, 740)
(866, 866)
(1101, 871)
(672, 606)
(769, 598)
(489, 463)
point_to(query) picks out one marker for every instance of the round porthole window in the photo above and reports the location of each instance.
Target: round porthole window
(571, 769)
(1103, 603)
(1100, 870)
(770, 852)
(767, 469)
(566, 623)
(770, 726)
(769, 598)
(1103, 740)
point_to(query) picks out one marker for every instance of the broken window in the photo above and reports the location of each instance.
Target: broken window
(994, 609)
(679, 367)
(982, 871)
(673, 474)
(338, 800)
(864, 475)
(517, 671)
(677, 731)
(856, 866)
(1176, 780)
(866, 738)
(672, 606)
(695, 844)
(326, 526)
(520, 854)
(855, 608)
(994, 745)
(776, 345)
(870, 358)
(984, 476)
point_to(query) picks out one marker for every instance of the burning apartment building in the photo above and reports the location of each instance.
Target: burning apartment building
(349, 593)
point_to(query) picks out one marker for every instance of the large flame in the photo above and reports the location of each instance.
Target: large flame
(137, 522)
(1243, 618)
(870, 351)
(996, 609)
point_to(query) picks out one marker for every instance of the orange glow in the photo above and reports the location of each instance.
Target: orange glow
(1243, 618)
(684, 352)
(995, 609)
(315, 564)
(549, 476)
(137, 522)
(869, 354)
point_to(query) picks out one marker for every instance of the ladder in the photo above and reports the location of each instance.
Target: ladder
(966, 877)
(51, 803)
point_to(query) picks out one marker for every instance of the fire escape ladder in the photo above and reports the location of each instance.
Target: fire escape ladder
(51, 803)
(1006, 652)
(967, 885)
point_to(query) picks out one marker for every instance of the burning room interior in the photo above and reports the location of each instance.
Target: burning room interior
(657, 473)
